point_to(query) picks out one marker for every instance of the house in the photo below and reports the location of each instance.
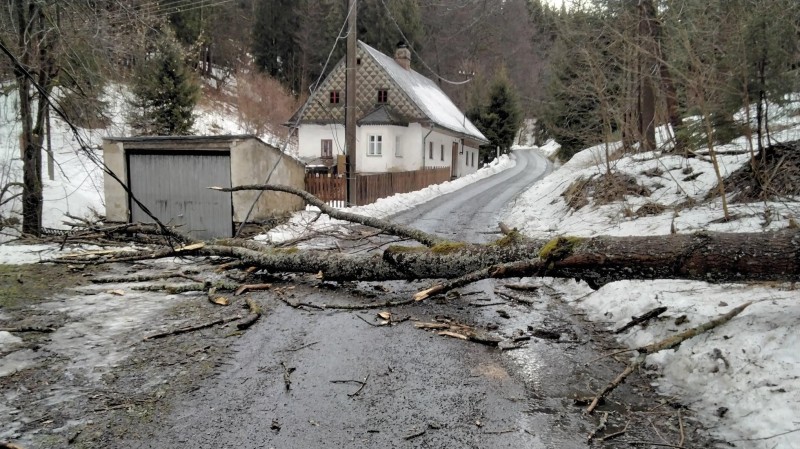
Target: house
(170, 176)
(405, 121)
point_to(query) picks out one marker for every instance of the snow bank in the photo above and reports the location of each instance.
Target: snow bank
(743, 378)
(308, 221)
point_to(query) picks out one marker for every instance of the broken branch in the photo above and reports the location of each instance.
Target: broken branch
(184, 330)
(392, 228)
(667, 343)
(252, 317)
(641, 319)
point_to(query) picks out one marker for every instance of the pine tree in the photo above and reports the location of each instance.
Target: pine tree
(501, 118)
(376, 25)
(273, 43)
(165, 93)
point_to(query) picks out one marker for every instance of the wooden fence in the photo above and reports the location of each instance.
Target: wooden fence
(370, 188)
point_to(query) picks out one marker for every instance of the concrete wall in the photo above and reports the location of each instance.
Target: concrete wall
(251, 162)
(116, 198)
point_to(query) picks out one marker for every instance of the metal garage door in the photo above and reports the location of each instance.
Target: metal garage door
(174, 187)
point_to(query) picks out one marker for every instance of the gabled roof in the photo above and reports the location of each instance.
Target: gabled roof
(418, 99)
(433, 102)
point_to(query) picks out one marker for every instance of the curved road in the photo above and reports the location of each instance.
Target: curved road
(358, 385)
(471, 214)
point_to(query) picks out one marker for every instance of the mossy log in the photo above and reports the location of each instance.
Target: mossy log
(706, 256)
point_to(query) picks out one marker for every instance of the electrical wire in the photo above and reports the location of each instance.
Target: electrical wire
(313, 90)
(433, 72)
(167, 233)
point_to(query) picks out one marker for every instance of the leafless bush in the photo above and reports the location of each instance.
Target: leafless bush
(603, 189)
(264, 103)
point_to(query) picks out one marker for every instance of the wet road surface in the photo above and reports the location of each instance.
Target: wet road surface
(471, 214)
(331, 379)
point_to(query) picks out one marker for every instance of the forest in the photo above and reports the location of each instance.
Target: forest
(589, 72)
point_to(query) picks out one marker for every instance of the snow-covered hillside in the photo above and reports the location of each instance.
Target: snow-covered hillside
(77, 187)
(742, 378)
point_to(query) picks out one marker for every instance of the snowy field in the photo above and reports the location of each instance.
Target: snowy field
(743, 378)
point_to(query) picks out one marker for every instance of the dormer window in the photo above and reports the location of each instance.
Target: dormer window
(383, 96)
(334, 97)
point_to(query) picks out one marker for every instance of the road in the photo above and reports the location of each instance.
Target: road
(471, 214)
(333, 379)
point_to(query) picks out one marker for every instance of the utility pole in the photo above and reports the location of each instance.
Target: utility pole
(350, 104)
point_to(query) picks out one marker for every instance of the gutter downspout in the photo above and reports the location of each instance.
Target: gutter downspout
(423, 145)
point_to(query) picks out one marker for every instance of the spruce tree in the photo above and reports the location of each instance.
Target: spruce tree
(274, 48)
(500, 119)
(165, 93)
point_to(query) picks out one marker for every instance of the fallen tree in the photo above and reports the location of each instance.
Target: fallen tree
(706, 256)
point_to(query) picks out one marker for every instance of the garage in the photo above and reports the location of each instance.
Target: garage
(173, 186)
(170, 176)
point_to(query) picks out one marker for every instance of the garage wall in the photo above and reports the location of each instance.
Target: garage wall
(251, 162)
(115, 196)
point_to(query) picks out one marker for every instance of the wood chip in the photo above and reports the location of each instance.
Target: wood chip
(454, 335)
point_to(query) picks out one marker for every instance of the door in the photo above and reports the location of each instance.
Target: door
(174, 187)
(454, 161)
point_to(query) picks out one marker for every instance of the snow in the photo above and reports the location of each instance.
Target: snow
(749, 366)
(77, 187)
(742, 379)
(309, 220)
(426, 95)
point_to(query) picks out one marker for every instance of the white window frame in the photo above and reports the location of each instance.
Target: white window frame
(375, 145)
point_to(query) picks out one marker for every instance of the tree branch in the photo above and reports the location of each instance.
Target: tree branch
(391, 228)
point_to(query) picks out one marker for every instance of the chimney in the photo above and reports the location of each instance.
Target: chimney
(403, 56)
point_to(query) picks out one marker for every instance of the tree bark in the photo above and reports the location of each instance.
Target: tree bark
(704, 256)
(648, 63)
(389, 227)
(36, 65)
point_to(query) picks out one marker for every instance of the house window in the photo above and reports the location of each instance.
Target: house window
(375, 146)
(473, 159)
(397, 151)
(334, 97)
(466, 159)
(383, 95)
(430, 150)
(327, 148)
(441, 155)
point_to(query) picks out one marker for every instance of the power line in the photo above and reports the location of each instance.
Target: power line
(158, 12)
(313, 90)
(92, 157)
(397, 25)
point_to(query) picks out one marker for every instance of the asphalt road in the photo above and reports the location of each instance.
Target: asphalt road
(332, 379)
(471, 214)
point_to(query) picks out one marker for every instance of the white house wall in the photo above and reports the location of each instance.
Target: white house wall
(464, 165)
(390, 160)
(310, 138)
(414, 141)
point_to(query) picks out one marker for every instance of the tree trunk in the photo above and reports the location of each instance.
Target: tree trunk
(34, 73)
(705, 256)
(648, 63)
